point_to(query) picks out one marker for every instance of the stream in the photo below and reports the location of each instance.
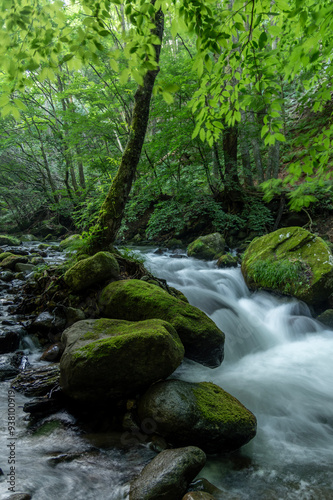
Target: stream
(278, 363)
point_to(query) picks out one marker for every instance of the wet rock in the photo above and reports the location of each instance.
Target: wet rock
(198, 495)
(91, 271)
(7, 370)
(7, 276)
(168, 475)
(9, 341)
(53, 353)
(19, 496)
(73, 315)
(9, 240)
(43, 405)
(227, 260)
(291, 261)
(136, 300)
(198, 414)
(37, 260)
(202, 485)
(28, 237)
(107, 359)
(208, 247)
(24, 268)
(37, 381)
(11, 261)
(326, 318)
(48, 322)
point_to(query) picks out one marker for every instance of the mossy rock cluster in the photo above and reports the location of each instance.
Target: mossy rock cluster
(200, 414)
(108, 359)
(10, 260)
(208, 247)
(136, 300)
(92, 271)
(9, 240)
(290, 261)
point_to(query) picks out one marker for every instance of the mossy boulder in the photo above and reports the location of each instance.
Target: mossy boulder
(107, 359)
(28, 237)
(227, 260)
(207, 247)
(9, 240)
(136, 300)
(326, 318)
(198, 414)
(11, 260)
(168, 475)
(290, 261)
(4, 255)
(67, 242)
(91, 271)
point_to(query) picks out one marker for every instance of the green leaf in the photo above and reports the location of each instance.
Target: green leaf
(124, 75)
(280, 137)
(202, 134)
(167, 97)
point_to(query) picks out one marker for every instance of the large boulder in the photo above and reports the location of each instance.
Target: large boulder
(67, 242)
(91, 271)
(136, 300)
(168, 475)
(11, 260)
(9, 240)
(107, 359)
(291, 261)
(207, 247)
(198, 414)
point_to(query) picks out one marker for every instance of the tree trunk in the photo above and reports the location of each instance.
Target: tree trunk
(112, 210)
(230, 139)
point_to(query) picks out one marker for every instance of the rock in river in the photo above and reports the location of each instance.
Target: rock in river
(136, 300)
(291, 261)
(198, 414)
(168, 475)
(108, 359)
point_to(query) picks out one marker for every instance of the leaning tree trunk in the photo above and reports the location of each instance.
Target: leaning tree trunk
(112, 210)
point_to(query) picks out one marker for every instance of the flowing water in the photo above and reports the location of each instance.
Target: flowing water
(278, 363)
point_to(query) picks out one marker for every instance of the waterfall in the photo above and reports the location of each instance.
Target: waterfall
(278, 363)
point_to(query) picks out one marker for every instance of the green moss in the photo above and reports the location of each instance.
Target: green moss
(4, 255)
(47, 428)
(289, 276)
(115, 334)
(90, 336)
(268, 257)
(217, 406)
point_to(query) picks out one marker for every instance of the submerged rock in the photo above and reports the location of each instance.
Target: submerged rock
(168, 475)
(291, 261)
(208, 247)
(198, 414)
(136, 300)
(107, 359)
(91, 271)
